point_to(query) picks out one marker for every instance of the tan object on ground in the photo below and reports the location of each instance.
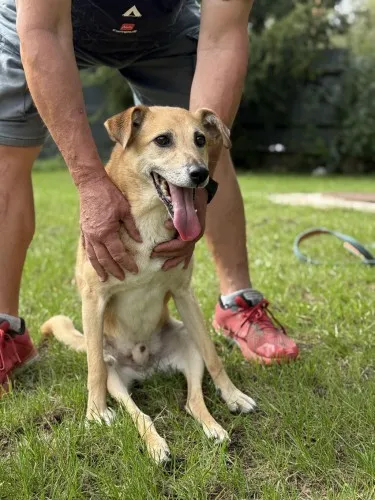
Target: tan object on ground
(364, 202)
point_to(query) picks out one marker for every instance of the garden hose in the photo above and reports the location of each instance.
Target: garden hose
(350, 244)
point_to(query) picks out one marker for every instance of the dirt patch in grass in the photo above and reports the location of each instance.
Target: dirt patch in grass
(46, 422)
(363, 203)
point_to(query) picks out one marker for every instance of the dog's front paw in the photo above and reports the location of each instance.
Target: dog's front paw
(237, 401)
(216, 432)
(158, 449)
(104, 417)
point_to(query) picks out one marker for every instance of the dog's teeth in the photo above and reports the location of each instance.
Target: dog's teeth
(164, 188)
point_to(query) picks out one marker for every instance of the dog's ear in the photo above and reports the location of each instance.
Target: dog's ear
(123, 127)
(215, 128)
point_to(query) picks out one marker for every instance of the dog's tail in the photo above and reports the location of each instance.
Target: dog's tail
(63, 329)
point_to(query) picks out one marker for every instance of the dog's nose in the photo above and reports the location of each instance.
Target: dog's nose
(198, 174)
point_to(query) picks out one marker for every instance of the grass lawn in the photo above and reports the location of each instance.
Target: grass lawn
(313, 435)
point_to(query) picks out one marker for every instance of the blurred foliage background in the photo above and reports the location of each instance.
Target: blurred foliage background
(309, 98)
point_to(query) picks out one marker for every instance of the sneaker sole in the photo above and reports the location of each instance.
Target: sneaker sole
(227, 334)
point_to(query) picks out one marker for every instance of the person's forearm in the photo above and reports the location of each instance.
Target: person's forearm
(55, 86)
(220, 74)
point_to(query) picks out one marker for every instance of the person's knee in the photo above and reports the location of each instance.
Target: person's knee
(17, 162)
(16, 198)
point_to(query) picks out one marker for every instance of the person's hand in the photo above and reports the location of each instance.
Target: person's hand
(177, 250)
(102, 209)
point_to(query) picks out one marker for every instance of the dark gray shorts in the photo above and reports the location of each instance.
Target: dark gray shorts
(159, 71)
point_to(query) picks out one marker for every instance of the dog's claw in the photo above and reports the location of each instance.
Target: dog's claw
(238, 402)
(159, 451)
(104, 417)
(216, 432)
(108, 416)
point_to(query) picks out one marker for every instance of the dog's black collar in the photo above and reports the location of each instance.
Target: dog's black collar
(211, 189)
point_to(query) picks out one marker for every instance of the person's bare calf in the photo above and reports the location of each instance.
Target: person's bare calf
(228, 246)
(17, 225)
(241, 313)
(17, 220)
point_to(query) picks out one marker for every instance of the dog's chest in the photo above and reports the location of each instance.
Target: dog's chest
(138, 301)
(138, 307)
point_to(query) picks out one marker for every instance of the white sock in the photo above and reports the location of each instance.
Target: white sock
(249, 294)
(15, 324)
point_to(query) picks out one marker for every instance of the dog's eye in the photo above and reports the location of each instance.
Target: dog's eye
(163, 140)
(199, 140)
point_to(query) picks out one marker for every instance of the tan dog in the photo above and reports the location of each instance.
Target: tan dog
(160, 157)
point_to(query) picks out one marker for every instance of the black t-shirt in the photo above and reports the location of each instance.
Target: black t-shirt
(131, 19)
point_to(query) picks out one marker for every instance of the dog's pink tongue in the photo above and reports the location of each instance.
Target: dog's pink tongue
(185, 219)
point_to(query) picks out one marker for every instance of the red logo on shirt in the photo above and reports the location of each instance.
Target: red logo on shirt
(127, 27)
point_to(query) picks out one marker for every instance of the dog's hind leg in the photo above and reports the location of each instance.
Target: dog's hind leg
(92, 319)
(156, 445)
(193, 319)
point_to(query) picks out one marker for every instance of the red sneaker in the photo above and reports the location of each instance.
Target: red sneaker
(16, 350)
(253, 330)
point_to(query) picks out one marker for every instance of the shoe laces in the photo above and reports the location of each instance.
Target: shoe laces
(5, 337)
(259, 314)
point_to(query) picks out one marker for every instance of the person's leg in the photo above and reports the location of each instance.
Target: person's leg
(16, 230)
(228, 248)
(16, 220)
(22, 133)
(242, 311)
(164, 78)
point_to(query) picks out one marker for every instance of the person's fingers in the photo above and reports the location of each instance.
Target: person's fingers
(94, 261)
(118, 253)
(107, 263)
(130, 227)
(183, 252)
(171, 263)
(172, 248)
